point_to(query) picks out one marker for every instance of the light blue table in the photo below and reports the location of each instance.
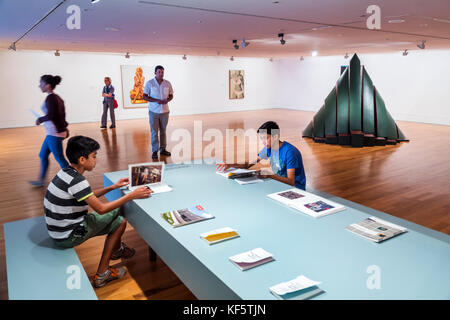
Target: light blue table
(414, 265)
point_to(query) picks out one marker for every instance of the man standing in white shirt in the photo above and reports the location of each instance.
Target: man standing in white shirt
(158, 92)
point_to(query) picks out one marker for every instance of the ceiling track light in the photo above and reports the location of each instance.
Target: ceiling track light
(244, 43)
(184, 57)
(94, 1)
(235, 45)
(57, 54)
(422, 45)
(127, 55)
(282, 41)
(405, 53)
(232, 58)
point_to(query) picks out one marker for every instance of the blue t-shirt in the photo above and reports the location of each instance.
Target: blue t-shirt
(289, 157)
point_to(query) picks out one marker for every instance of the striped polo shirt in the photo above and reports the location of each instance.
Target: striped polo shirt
(64, 204)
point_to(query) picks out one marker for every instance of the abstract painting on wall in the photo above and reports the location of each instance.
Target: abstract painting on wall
(236, 80)
(133, 82)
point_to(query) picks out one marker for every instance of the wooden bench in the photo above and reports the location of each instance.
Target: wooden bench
(38, 270)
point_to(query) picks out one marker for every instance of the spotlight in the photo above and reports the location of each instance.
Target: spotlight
(346, 55)
(314, 53)
(127, 55)
(422, 45)
(405, 53)
(95, 1)
(235, 45)
(184, 57)
(282, 41)
(232, 58)
(12, 46)
(57, 54)
(244, 43)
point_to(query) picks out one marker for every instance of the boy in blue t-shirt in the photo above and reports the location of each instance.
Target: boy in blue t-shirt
(285, 159)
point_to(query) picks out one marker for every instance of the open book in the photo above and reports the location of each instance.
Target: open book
(300, 288)
(219, 235)
(251, 259)
(376, 229)
(186, 216)
(307, 203)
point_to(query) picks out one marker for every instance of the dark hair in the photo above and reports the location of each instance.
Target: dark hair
(53, 81)
(268, 127)
(80, 146)
(158, 67)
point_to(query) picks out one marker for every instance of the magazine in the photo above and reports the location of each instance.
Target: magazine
(300, 288)
(186, 216)
(219, 235)
(307, 203)
(233, 173)
(376, 229)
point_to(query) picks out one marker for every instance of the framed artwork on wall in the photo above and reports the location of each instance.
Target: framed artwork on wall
(133, 82)
(236, 81)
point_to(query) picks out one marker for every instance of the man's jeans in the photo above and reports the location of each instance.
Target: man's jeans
(158, 123)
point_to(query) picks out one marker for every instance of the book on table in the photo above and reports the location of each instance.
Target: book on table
(181, 217)
(305, 202)
(251, 259)
(376, 229)
(300, 288)
(233, 173)
(219, 235)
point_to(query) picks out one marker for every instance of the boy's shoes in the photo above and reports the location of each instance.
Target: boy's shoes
(37, 183)
(103, 127)
(124, 252)
(112, 127)
(111, 274)
(155, 155)
(164, 152)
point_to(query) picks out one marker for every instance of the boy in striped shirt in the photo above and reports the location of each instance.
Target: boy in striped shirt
(66, 209)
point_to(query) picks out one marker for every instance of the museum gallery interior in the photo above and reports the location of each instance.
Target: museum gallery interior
(224, 150)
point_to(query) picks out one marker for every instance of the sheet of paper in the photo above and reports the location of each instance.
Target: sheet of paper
(160, 188)
(37, 115)
(299, 283)
(251, 256)
(248, 180)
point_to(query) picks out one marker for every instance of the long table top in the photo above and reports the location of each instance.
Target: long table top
(413, 265)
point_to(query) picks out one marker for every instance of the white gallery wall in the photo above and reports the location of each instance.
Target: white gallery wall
(415, 87)
(200, 84)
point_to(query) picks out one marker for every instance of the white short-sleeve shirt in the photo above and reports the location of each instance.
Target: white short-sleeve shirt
(158, 91)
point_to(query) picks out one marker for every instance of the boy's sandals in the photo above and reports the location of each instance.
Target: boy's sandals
(110, 274)
(124, 252)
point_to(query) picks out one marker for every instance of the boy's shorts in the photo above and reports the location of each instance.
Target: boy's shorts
(96, 225)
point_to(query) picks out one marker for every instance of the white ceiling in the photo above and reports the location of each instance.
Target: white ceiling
(207, 27)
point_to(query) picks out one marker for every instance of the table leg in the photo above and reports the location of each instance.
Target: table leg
(151, 254)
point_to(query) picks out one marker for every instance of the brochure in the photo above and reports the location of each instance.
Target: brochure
(251, 259)
(376, 229)
(300, 288)
(186, 216)
(308, 203)
(219, 235)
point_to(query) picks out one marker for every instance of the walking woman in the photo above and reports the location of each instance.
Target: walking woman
(108, 103)
(55, 124)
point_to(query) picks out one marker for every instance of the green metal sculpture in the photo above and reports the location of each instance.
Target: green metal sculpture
(354, 113)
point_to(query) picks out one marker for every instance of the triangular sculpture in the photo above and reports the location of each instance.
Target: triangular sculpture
(354, 113)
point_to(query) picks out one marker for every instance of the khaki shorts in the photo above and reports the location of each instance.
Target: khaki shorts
(96, 225)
